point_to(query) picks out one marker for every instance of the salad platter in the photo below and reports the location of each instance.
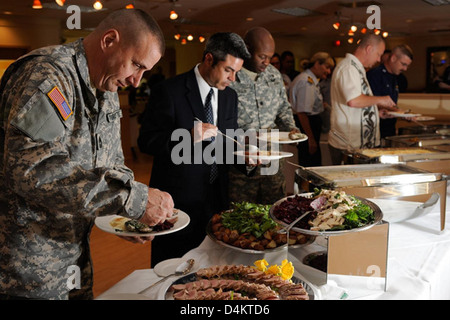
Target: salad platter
(331, 213)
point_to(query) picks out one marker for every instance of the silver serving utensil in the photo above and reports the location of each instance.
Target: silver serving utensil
(289, 227)
(187, 269)
(349, 146)
(218, 131)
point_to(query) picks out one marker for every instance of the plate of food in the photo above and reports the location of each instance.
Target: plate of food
(127, 227)
(328, 212)
(400, 114)
(248, 228)
(425, 118)
(264, 155)
(283, 137)
(238, 282)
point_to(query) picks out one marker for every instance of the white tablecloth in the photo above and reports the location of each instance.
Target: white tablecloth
(418, 265)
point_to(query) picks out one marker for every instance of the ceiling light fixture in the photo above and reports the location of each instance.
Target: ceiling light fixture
(336, 25)
(60, 2)
(201, 39)
(173, 15)
(385, 34)
(97, 5)
(37, 4)
(129, 6)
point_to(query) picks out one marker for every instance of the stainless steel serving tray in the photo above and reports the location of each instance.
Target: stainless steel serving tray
(417, 140)
(422, 129)
(361, 175)
(398, 155)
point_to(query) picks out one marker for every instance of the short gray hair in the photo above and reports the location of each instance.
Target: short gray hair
(130, 22)
(370, 39)
(403, 49)
(222, 44)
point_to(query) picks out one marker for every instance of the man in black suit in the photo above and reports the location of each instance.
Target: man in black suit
(197, 188)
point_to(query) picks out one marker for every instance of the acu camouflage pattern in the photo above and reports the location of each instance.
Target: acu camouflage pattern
(263, 104)
(56, 176)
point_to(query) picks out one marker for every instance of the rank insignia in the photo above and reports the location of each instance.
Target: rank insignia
(60, 103)
(310, 80)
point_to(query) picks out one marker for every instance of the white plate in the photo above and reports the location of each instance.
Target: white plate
(166, 267)
(275, 155)
(280, 137)
(404, 115)
(103, 223)
(425, 118)
(123, 296)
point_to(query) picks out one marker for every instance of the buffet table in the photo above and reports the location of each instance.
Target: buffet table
(418, 264)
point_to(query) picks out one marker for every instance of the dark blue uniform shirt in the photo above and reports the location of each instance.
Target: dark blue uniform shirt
(384, 83)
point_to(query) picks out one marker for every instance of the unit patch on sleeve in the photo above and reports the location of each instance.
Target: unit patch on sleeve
(60, 103)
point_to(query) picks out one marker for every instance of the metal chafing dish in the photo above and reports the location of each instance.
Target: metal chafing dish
(417, 140)
(433, 158)
(393, 181)
(396, 155)
(423, 129)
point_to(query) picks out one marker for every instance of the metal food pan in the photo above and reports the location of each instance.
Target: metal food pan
(396, 155)
(365, 175)
(423, 129)
(421, 140)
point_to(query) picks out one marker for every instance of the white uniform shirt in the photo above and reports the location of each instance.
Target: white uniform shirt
(359, 126)
(305, 95)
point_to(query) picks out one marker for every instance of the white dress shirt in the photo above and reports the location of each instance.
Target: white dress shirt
(204, 88)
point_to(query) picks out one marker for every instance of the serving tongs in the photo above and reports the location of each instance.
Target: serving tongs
(316, 204)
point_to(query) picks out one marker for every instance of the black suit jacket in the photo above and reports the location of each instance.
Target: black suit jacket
(174, 104)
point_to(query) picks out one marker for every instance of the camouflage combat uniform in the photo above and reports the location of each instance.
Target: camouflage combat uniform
(263, 104)
(57, 175)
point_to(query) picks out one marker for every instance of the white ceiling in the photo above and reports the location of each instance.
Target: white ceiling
(399, 17)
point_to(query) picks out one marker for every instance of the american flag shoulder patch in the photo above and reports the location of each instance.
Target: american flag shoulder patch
(60, 103)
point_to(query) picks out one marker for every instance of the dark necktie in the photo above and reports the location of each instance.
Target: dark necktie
(210, 119)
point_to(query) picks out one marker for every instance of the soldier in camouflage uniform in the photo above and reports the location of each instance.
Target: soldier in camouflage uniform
(263, 104)
(62, 163)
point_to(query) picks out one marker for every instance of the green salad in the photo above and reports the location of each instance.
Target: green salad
(248, 217)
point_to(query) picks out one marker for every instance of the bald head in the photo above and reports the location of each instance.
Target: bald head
(370, 49)
(261, 46)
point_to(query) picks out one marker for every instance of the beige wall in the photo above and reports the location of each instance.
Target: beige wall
(30, 33)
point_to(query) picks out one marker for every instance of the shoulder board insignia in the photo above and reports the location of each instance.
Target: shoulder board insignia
(310, 80)
(60, 103)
